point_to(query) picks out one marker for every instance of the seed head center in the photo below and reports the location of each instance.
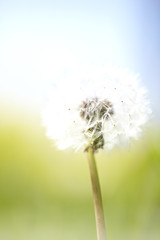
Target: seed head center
(95, 112)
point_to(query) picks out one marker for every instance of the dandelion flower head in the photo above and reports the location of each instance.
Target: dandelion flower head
(102, 108)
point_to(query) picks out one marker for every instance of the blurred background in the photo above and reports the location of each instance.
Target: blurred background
(46, 193)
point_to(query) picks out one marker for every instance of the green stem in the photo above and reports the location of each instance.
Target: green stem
(98, 207)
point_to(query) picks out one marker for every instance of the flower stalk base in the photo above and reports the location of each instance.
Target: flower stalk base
(99, 215)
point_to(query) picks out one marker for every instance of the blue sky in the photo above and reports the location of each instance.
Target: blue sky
(41, 39)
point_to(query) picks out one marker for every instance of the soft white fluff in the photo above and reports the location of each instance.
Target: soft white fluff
(121, 88)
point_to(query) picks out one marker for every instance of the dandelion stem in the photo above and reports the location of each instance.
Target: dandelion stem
(98, 207)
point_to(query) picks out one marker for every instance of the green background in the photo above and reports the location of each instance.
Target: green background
(46, 193)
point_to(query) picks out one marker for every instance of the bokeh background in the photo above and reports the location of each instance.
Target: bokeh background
(46, 193)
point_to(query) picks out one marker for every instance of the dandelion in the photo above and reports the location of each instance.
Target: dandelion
(103, 108)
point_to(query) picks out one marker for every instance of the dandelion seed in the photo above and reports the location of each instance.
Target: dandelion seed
(99, 109)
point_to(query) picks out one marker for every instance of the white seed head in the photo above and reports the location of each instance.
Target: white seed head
(107, 108)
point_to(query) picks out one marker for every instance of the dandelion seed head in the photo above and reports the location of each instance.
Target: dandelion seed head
(104, 108)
